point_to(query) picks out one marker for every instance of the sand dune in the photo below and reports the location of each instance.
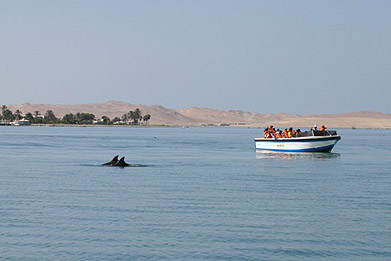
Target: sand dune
(199, 116)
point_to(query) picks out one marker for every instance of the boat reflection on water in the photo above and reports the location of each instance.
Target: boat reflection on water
(297, 155)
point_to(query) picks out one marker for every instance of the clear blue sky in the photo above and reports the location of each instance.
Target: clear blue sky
(300, 57)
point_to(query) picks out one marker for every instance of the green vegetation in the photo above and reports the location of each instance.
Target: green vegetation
(6, 114)
(132, 117)
(78, 118)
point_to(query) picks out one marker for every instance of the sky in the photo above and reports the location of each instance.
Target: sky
(300, 57)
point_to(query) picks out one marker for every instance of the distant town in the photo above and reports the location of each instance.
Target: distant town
(18, 118)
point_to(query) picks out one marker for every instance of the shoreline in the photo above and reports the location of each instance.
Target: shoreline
(249, 126)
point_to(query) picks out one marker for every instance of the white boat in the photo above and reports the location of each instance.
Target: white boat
(20, 123)
(310, 141)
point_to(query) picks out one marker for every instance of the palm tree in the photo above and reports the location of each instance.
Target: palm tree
(125, 118)
(146, 118)
(36, 114)
(7, 114)
(18, 114)
(69, 118)
(116, 119)
(37, 118)
(138, 115)
(135, 116)
(130, 115)
(3, 109)
(50, 117)
(105, 120)
(29, 117)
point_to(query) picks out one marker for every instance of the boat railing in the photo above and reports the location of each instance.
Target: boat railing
(331, 132)
(318, 133)
(312, 133)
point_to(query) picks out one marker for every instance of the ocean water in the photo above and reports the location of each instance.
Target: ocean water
(203, 194)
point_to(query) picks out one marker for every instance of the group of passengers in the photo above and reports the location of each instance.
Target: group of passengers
(271, 132)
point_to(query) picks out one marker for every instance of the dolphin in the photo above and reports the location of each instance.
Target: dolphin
(121, 163)
(112, 162)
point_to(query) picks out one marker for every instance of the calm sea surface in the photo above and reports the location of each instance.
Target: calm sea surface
(204, 194)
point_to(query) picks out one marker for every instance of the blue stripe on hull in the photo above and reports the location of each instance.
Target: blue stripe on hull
(319, 149)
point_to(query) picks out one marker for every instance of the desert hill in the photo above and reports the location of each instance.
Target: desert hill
(199, 116)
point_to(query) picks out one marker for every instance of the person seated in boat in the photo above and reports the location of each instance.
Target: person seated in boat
(293, 133)
(285, 133)
(290, 132)
(298, 133)
(267, 134)
(315, 128)
(278, 134)
(272, 131)
(324, 131)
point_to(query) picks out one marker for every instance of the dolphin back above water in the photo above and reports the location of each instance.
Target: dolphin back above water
(112, 162)
(121, 163)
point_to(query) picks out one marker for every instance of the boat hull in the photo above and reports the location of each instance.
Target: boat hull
(301, 144)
